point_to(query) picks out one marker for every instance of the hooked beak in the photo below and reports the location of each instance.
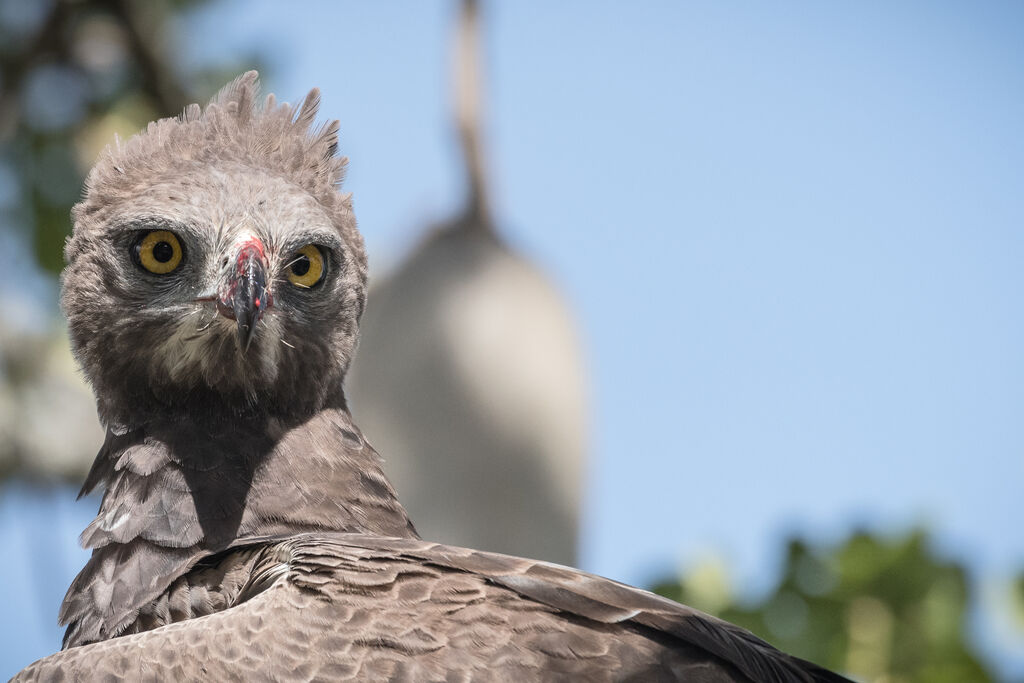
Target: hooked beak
(243, 295)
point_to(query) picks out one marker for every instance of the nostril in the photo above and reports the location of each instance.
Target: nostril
(224, 263)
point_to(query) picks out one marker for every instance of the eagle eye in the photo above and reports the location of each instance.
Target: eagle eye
(159, 252)
(306, 267)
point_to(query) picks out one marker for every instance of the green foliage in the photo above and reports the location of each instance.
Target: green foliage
(879, 609)
(72, 74)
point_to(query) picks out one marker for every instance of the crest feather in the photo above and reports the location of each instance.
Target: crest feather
(234, 128)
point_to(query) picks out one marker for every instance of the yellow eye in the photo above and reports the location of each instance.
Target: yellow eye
(306, 267)
(159, 252)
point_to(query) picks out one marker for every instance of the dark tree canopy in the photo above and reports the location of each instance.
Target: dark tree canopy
(879, 608)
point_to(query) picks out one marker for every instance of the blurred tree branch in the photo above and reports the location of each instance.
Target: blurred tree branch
(158, 79)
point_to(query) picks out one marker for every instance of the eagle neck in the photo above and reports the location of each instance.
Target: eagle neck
(223, 480)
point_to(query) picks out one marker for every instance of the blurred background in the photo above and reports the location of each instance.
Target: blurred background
(724, 298)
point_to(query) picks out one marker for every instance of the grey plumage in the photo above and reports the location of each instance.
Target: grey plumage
(247, 530)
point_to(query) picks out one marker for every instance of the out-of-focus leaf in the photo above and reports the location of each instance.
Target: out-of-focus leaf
(877, 608)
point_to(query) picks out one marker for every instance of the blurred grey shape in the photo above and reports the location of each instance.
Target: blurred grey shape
(469, 377)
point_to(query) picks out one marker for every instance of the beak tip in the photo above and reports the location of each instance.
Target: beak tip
(244, 296)
(246, 327)
(244, 337)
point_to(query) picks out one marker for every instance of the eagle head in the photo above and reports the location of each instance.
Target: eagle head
(213, 258)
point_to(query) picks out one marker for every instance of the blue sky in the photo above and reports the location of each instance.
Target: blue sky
(793, 234)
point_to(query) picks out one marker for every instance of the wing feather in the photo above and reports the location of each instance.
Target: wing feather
(365, 607)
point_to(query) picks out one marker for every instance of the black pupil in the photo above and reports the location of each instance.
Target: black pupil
(163, 252)
(301, 266)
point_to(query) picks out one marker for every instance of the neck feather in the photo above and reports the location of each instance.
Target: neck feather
(179, 491)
